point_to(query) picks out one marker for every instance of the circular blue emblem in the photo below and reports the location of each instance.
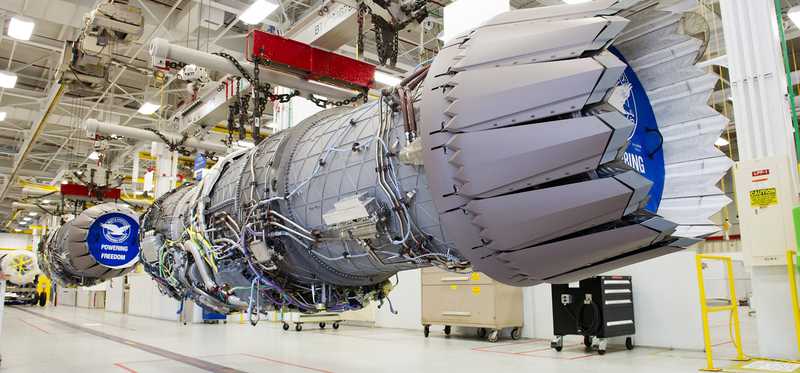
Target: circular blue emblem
(645, 152)
(113, 240)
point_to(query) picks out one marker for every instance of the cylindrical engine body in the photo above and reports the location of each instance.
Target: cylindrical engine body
(99, 244)
(503, 156)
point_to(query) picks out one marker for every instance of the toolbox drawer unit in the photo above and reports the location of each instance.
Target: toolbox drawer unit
(470, 300)
(598, 308)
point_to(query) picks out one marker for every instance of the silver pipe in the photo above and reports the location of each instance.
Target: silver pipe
(202, 267)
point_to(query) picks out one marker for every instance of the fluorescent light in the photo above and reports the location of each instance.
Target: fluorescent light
(794, 15)
(94, 156)
(20, 28)
(245, 144)
(148, 108)
(387, 79)
(23, 223)
(7, 79)
(46, 201)
(256, 12)
(32, 213)
(27, 218)
(3, 115)
(576, 1)
(721, 142)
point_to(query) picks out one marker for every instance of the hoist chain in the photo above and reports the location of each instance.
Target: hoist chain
(323, 103)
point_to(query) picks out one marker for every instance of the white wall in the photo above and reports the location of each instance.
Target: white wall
(15, 241)
(407, 300)
(146, 300)
(666, 302)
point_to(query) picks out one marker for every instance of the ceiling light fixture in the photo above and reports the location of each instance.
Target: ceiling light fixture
(794, 15)
(721, 142)
(257, 12)
(94, 156)
(384, 78)
(33, 213)
(7, 79)
(3, 115)
(20, 28)
(148, 108)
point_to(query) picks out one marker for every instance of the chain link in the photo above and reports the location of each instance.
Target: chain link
(172, 145)
(323, 103)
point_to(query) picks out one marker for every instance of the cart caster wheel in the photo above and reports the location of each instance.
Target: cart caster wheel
(285, 326)
(427, 330)
(298, 327)
(494, 335)
(516, 333)
(482, 333)
(447, 330)
(322, 325)
(629, 343)
(557, 344)
(225, 322)
(601, 352)
(587, 341)
(336, 325)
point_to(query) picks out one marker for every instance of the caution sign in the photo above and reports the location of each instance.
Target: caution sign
(761, 198)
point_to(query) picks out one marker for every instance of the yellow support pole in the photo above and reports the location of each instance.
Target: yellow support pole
(735, 311)
(704, 313)
(790, 257)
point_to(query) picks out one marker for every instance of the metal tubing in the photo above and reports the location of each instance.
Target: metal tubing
(140, 134)
(202, 267)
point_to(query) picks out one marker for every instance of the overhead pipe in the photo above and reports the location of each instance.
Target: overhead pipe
(162, 50)
(93, 126)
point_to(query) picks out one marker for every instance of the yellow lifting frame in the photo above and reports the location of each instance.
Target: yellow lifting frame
(705, 309)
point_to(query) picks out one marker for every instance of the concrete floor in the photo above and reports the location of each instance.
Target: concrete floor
(33, 343)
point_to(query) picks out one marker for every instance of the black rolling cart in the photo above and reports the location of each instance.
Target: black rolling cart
(597, 308)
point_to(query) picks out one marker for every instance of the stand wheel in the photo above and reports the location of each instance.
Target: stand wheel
(482, 333)
(516, 333)
(285, 326)
(298, 327)
(336, 325)
(629, 343)
(427, 330)
(493, 336)
(557, 344)
(587, 341)
(447, 330)
(601, 352)
(322, 325)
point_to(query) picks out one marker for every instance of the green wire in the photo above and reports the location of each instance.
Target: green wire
(785, 49)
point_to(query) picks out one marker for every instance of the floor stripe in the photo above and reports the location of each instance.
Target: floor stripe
(34, 326)
(188, 360)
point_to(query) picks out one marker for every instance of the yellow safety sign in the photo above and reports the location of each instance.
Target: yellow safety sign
(454, 287)
(476, 290)
(761, 198)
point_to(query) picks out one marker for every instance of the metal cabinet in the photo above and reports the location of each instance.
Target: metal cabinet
(471, 300)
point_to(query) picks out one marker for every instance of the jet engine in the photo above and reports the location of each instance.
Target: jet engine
(101, 243)
(503, 156)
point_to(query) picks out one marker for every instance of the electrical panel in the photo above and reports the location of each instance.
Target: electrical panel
(766, 193)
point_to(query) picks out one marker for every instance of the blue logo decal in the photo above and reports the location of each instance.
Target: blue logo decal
(113, 240)
(645, 153)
